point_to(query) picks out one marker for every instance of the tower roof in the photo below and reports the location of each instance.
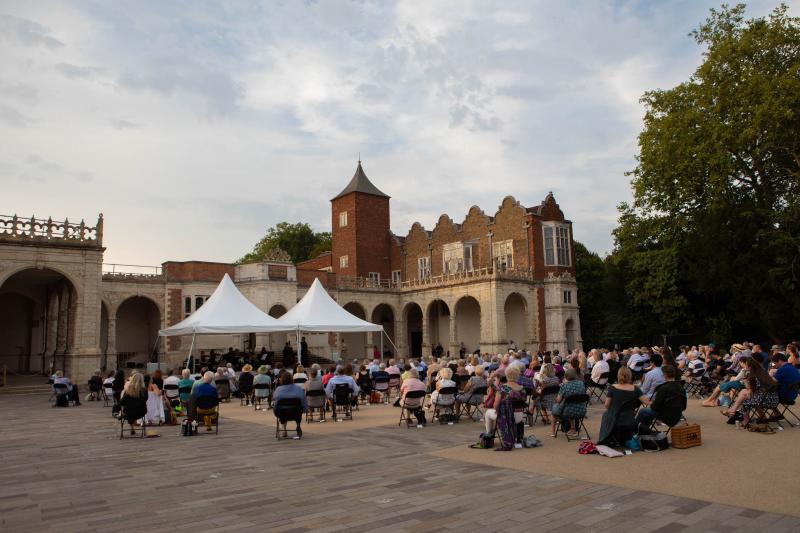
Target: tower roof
(360, 183)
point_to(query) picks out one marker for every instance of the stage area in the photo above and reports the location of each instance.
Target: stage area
(66, 470)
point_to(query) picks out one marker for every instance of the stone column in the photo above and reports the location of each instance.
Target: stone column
(400, 334)
(111, 350)
(453, 345)
(426, 335)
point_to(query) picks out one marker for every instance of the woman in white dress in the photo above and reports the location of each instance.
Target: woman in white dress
(155, 405)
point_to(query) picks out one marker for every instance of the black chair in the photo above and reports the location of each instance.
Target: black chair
(299, 381)
(381, 384)
(208, 411)
(575, 399)
(107, 393)
(785, 407)
(473, 404)
(598, 389)
(551, 391)
(132, 410)
(184, 391)
(258, 399)
(288, 409)
(342, 402)
(62, 395)
(699, 385)
(223, 389)
(410, 404)
(448, 409)
(315, 399)
(762, 413)
(173, 394)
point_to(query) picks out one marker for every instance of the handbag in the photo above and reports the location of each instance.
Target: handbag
(654, 442)
(485, 442)
(187, 429)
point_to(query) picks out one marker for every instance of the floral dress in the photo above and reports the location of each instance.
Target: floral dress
(506, 423)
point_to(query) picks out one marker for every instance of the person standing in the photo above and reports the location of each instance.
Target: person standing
(304, 352)
(288, 355)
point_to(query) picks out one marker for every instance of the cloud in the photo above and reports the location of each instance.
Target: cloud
(27, 32)
(219, 120)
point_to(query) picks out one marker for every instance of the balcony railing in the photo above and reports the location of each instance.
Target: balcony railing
(346, 282)
(454, 278)
(121, 272)
(41, 231)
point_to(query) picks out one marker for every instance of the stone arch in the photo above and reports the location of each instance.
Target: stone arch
(355, 344)
(276, 341)
(38, 315)
(515, 310)
(277, 310)
(5, 276)
(138, 319)
(384, 315)
(438, 315)
(468, 322)
(413, 317)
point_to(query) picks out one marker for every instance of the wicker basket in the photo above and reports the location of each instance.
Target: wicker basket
(686, 436)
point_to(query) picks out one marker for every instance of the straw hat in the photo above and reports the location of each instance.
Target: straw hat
(263, 369)
(247, 368)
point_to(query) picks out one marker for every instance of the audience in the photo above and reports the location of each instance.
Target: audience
(570, 413)
(413, 383)
(287, 389)
(622, 399)
(133, 400)
(669, 402)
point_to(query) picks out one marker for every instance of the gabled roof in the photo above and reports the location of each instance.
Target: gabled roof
(360, 183)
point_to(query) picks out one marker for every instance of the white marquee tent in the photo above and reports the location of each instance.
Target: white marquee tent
(226, 312)
(317, 312)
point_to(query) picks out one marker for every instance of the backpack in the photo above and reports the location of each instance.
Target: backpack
(485, 442)
(62, 400)
(654, 442)
(187, 429)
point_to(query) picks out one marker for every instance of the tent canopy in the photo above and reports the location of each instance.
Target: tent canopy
(227, 311)
(317, 312)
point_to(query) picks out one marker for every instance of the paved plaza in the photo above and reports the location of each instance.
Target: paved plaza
(66, 470)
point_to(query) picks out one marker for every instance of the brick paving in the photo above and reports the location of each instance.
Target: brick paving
(66, 470)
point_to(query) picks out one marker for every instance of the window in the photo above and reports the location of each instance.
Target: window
(503, 253)
(396, 278)
(424, 265)
(344, 261)
(374, 279)
(556, 245)
(198, 302)
(567, 297)
(452, 257)
(342, 219)
(468, 253)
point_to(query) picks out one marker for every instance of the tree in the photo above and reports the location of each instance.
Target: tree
(710, 242)
(590, 275)
(298, 240)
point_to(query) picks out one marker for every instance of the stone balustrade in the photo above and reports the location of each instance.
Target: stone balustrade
(17, 229)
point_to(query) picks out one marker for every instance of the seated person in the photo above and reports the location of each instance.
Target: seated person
(669, 402)
(72, 390)
(695, 368)
(203, 388)
(329, 375)
(364, 380)
(734, 384)
(134, 400)
(341, 377)
(571, 412)
(186, 381)
(654, 377)
(392, 369)
(300, 374)
(172, 395)
(467, 396)
(413, 383)
(546, 378)
(263, 377)
(503, 415)
(599, 367)
(622, 398)
(760, 389)
(222, 381)
(786, 375)
(443, 380)
(95, 384)
(287, 389)
(108, 384)
(246, 380)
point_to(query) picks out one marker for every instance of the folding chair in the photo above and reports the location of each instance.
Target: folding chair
(223, 389)
(141, 428)
(184, 392)
(411, 403)
(473, 405)
(299, 381)
(286, 410)
(107, 393)
(316, 401)
(259, 396)
(547, 392)
(381, 385)
(699, 384)
(208, 411)
(62, 390)
(575, 399)
(342, 404)
(638, 371)
(786, 405)
(597, 390)
(448, 408)
(394, 386)
(763, 413)
(173, 394)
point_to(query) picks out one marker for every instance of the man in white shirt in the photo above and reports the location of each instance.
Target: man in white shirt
(637, 361)
(599, 367)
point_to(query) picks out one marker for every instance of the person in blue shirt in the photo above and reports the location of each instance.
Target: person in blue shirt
(786, 375)
(202, 388)
(341, 377)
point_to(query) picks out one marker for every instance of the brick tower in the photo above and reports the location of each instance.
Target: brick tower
(360, 230)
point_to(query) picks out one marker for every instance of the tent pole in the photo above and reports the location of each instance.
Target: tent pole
(382, 333)
(396, 351)
(297, 345)
(191, 347)
(155, 349)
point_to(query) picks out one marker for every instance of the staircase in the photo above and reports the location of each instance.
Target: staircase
(24, 390)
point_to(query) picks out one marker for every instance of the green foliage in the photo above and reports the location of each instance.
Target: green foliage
(590, 274)
(710, 243)
(298, 240)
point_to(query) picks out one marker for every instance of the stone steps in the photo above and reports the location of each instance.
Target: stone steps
(20, 390)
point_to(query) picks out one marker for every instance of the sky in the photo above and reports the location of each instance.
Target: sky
(194, 126)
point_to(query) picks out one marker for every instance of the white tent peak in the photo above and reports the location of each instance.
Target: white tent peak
(318, 312)
(226, 311)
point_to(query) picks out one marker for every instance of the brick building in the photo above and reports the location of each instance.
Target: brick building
(484, 282)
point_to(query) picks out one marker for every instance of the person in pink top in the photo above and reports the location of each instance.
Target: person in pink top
(415, 404)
